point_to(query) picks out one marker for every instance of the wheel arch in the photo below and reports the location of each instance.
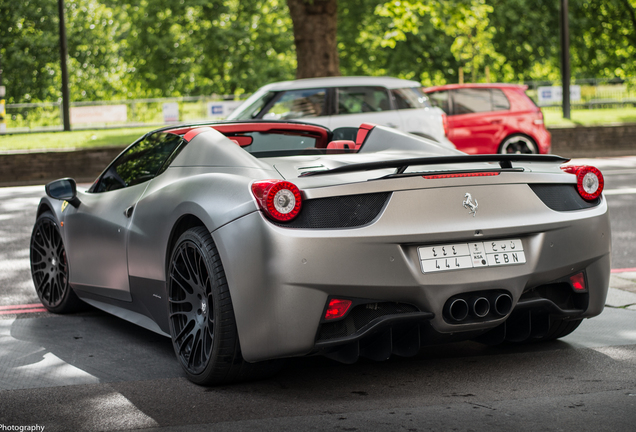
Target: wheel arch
(53, 206)
(43, 207)
(184, 223)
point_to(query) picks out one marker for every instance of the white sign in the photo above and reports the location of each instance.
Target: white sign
(3, 91)
(471, 255)
(554, 94)
(170, 112)
(222, 109)
(99, 114)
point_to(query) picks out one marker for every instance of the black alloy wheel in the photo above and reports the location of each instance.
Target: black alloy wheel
(191, 307)
(518, 144)
(49, 267)
(202, 323)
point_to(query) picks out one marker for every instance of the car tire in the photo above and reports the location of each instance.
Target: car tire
(49, 267)
(202, 323)
(560, 328)
(518, 144)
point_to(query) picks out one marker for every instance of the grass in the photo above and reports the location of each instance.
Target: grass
(125, 136)
(73, 139)
(590, 117)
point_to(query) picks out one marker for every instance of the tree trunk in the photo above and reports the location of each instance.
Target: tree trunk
(315, 25)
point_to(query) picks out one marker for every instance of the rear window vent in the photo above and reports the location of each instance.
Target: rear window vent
(562, 197)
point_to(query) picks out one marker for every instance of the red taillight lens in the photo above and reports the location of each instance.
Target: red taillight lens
(279, 199)
(337, 308)
(578, 282)
(589, 180)
(456, 175)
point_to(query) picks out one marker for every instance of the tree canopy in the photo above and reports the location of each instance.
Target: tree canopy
(158, 48)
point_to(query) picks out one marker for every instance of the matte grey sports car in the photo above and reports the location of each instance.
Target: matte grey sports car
(250, 242)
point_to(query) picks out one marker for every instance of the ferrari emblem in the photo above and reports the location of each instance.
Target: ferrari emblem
(468, 204)
(64, 204)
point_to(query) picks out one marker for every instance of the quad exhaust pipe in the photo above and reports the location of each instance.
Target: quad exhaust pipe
(478, 307)
(458, 309)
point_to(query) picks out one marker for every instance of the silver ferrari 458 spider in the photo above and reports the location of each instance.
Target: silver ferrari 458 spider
(250, 242)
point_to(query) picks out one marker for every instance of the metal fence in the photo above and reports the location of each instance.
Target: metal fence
(48, 116)
(595, 93)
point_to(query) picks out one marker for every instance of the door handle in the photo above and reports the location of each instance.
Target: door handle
(495, 121)
(129, 211)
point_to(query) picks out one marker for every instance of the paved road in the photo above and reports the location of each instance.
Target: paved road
(91, 371)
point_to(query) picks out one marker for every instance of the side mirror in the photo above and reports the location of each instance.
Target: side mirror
(63, 189)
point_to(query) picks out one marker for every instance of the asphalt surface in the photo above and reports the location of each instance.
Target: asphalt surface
(91, 371)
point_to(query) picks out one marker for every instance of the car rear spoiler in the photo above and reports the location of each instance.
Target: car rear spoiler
(505, 162)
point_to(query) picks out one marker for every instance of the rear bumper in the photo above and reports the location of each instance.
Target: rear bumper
(280, 279)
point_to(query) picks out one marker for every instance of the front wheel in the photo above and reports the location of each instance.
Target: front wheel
(49, 267)
(202, 322)
(518, 144)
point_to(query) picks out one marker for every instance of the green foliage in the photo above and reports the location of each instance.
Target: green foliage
(152, 48)
(160, 48)
(71, 140)
(375, 39)
(29, 49)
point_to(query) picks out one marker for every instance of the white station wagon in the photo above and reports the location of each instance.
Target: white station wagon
(337, 102)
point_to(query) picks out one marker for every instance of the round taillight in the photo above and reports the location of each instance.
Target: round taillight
(589, 181)
(279, 199)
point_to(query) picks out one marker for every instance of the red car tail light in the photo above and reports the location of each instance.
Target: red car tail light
(589, 180)
(456, 175)
(279, 199)
(578, 282)
(337, 308)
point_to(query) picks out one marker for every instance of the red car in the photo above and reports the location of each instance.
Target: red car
(491, 118)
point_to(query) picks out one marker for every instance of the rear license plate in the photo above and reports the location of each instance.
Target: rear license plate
(459, 256)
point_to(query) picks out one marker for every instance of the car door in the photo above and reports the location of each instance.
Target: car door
(97, 231)
(364, 104)
(473, 125)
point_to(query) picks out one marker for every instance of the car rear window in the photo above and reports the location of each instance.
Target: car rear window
(278, 144)
(468, 101)
(410, 98)
(499, 100)
(476, 100)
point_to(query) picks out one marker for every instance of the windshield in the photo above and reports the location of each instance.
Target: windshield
(250, 109)
(410, 98)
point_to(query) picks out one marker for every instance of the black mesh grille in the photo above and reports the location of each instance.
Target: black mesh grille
(339, 212)
(360, 316)
(562, 197)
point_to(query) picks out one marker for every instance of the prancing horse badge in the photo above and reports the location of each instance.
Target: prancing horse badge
(468, 203)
